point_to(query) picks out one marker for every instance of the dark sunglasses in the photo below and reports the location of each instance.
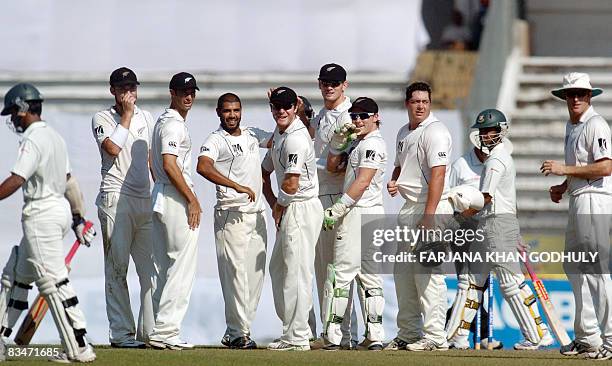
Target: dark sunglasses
(333, 84)
(362, 116)
(278, 106)
(573, 93)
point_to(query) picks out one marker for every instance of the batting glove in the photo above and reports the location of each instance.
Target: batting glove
(336, 212)
(78, 226)
(342, 138)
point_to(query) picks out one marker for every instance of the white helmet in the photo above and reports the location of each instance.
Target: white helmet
(464, 197)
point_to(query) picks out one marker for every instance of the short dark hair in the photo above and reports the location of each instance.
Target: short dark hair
(35, 107)
(418, 86)
(228, 98)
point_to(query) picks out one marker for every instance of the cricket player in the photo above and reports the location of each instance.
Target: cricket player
(123, 134)
(230, 158)
(587, 170)
(467, 170)
(423, 147)
(501, 233)
(42, 170)
(176, 216)
(298, 216)
(332, 84)
(363, 184)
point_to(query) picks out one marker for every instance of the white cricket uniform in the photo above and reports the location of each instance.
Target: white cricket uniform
(293, 255)
(43, 162)
(421, 292)
(124, 210)
(174, 244)
(588, 228)
(330, 190)
(466, 170)
(240, 225)
(369, 152)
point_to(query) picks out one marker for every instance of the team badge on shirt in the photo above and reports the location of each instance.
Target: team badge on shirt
(603, 144)
(172, 144)
(292, 160)
(99, 131)
(237, 149)
(370, 155)
(400, 146)
(204, 148)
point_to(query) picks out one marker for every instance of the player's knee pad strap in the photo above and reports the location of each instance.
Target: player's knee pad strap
(516, 297)
(466, 304)
(374, 304)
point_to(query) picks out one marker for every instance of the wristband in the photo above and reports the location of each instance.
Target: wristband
(347, 200)
(119, 136)
(284, 198)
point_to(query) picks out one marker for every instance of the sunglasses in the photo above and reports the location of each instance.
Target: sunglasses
(573, 93)
(362, 116)
(279, 105)
(333, 84)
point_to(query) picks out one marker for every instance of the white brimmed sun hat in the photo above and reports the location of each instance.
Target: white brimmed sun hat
(576, 80)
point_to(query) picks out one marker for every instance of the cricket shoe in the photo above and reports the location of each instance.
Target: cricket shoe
(496, 345)
(130, 343)
(576, 348)
(527, 345)
(284, 346)
(317, 343)
(86, 354)
(425, 344)
(331, 347)
(459, 343)
(398, 344)
(175, 344)
(371, 345)
(604, 353)
(350, 345)
(244, 342)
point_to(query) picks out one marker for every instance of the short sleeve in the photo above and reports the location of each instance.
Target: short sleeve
(294, 154)
(399, 143)
(493, 171)
(263, 137)
(172, 134)
(372, 155)
(599, 138)
(267, 163)
(102, 127)
(28, 159)
(437, 146)
(210, 148)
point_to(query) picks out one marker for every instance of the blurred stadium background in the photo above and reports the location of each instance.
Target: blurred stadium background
(476, 54)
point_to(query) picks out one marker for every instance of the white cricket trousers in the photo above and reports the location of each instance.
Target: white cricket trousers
(175, 251)
(588, 229)
(421, 291)
(241, 258)
(291, 268)
(127, 230)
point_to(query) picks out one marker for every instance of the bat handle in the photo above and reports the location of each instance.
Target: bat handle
(75, 245)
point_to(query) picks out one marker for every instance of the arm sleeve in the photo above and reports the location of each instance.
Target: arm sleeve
(599, 138)
(266, 163)
(102, 127)
(210, 148)
(28, 158)
(396, 162)
(294, 154)
(372, 155)
(172, 135)
(262, 136)
(493, 171)
(437, 146)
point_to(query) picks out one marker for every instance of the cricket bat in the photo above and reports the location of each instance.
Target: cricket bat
(549, 310)
(39, 308)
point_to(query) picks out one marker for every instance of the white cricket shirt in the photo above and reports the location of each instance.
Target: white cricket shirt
(369, 152)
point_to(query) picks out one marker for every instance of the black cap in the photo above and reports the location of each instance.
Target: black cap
(123, 76)
(365, 104)
(183, 80)
(283, 95)
(332, 72)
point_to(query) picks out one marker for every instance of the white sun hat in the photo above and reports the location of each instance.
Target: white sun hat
(576, 80)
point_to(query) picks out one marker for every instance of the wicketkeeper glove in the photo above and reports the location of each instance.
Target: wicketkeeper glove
(78, 226)
(342, 138)
(337, 211)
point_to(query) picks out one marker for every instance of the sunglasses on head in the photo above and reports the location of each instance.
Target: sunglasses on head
(333, 84)
(580, 93)
(280, 105)
(362, 116)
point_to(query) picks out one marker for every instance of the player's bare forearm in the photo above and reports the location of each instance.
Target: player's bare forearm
(396, 173)
(206, 169)
(361, 183)
(334, 162)
(110, 147)
(602, 168)
(290, 183)
(176, 177)
(436, 187)
(267, 188)
(10, 185)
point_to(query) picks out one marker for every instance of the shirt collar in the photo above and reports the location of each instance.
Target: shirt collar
(590, 112)
(225, 133)
(295, 125)
(172, 113)
(499, 147)
(374, 133)
(32, 127)
(344, 106)
(429, 120)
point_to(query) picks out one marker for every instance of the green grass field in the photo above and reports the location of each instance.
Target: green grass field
(216, 356)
